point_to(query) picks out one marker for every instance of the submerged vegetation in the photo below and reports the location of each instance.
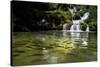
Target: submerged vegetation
(46, 48)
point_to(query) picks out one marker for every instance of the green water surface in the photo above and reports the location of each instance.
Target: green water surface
(50, 47)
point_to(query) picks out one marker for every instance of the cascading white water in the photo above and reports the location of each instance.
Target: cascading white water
(87, 29)
(64, 27)
(76, 23)
(72, 11)
(85, 16)
(76, 26)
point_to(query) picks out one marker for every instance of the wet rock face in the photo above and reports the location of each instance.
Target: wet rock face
(76, 17)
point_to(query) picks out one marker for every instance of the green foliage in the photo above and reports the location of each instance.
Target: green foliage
(93, 26)
(58, 15)
(83, 26)
(28, 16)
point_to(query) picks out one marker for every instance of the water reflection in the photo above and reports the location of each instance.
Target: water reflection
(77, 37)
(64, 33)
(80, 37)
(53, 59)
(49, 57)
(52, 56)
(50, 47)
(84, 38)
(45, 53)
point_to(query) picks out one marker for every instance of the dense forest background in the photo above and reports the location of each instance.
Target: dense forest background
(35, 16)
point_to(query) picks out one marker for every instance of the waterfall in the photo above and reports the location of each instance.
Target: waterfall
(76, 26)
(87, 29)
(64, 27)
(72, 11)
(85, 16)
(76, 23)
